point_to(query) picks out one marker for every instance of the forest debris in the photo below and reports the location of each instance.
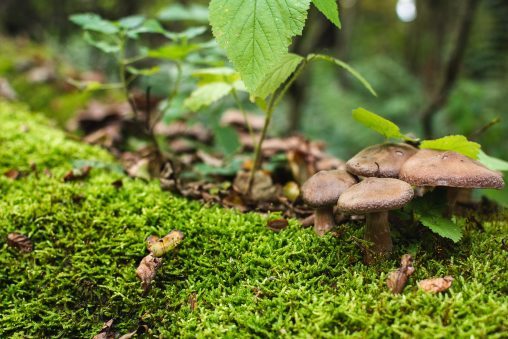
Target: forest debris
(397, 279)
(107, 136)
(6, 91)
(504, 245)
(13, 174)
(308, 221)
(160, 246)
(20, 241)
(141, 329)
(147, 270)
(277, 225)
(436, 285)
(291, 191)
(301, 168)
(263, 188)
(42, 74)
(77, 174)
(236, 118)
(107, 331)
(181, 129)
(193, 301)
(117, 184)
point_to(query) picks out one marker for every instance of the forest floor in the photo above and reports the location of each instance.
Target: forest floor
(231, 277)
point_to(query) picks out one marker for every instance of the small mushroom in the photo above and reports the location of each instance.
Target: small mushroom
(449, 169)
(321, 192)
(374, 197)
(382, 161)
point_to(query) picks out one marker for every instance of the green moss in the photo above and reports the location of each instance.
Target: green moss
(248, 280)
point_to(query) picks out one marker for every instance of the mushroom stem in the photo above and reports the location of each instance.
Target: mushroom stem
(323, 220)
(452, 194)
(377, 231)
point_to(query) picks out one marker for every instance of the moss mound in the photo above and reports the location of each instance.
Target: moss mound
(245, 279)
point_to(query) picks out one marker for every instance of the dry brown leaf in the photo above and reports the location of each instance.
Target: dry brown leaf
(77, 174)
(436, 285)
(20, 241)
(193, 301)
(13, 174)
(236, 119)
(397, 279)
(106, 332)
(277, 225)
(181, 129)
(147, 270)
(263, 188)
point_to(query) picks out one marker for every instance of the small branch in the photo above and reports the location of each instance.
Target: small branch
(452, 68)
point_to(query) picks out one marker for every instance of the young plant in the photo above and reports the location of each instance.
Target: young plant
(256, 36)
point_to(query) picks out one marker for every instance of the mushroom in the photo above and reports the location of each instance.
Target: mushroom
(321, 191)
(451, 170)
(374, 197)
(382, 161)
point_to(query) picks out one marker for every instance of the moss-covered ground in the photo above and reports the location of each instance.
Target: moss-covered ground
(246, 280)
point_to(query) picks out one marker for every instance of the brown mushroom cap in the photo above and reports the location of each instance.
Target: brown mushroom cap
(446, 168)
(375, 195)
(325, 187)
(382, 161)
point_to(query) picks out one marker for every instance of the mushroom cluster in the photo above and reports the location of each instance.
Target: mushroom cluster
(388, 176)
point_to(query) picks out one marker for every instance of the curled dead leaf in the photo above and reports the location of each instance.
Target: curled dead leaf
(13, 174)
(20, 241)
(436, 285)
(277, 225)
(397, 279)
(77, 174)
(160, 246)
(147, 270)
(107, 331)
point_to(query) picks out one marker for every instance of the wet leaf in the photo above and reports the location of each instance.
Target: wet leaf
(436, 285)
(20, 241)
(277, 225)
(147, 270)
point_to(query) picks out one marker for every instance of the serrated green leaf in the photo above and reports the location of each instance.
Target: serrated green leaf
(94, 22)
(442, 226)
(277, 75)
(493, 163)
(348, 68)
(256, 33)
(455, 143)
(206, 95)
(379, 124)
(330, 9)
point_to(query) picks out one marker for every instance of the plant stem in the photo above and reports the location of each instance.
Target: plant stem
(274, 101)
(176, 87)
(240, 107)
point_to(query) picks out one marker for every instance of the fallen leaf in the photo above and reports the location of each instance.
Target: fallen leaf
(277, 225)
(397, 279)
(141, 329)
(77, 174)
(236, 119)
(181, 129)
(160, 246)
(6, 91)
(117, 184)
(436, 285)
(13, 174)
(20, 241)
(107, 331)
(147, 270)
(263, 188)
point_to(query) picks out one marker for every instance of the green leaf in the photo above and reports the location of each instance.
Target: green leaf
(226, 139)
(442, 226)
(188, 34)
(144, 71)
(256, 33)
(131, 22)
(178, 12)
(330, 9)
(216, 74)
(348, 68)
(277, 75)
(103, 45)
(174, 52)
(94, 22)
(379, 124)
(456, 143)
(208, 94)
(494, 164)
